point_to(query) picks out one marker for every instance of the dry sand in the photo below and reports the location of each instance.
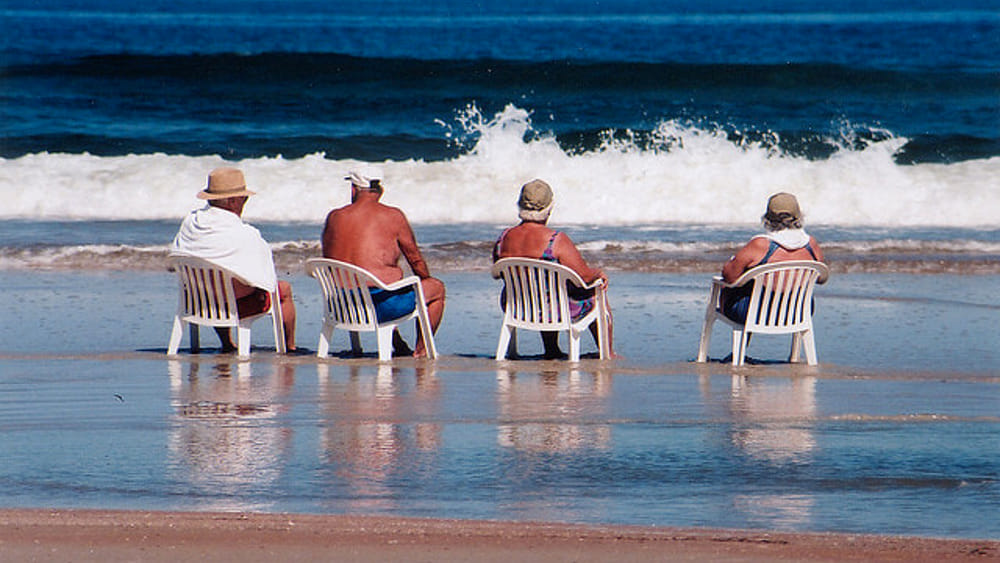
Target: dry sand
(105, 536)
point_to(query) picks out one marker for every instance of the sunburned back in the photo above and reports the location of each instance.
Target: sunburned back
(761, 250)
(782, 254)
(528, 240)
(366, 234)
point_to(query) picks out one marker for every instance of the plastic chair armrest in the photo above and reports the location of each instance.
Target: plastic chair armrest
(405, 282)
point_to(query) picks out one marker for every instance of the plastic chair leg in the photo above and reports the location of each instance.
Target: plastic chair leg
(809, 342)
(706, 338)
(507, 338)
(278, 323)
(603, 336)
(385, 343)
(243, 340)
(739, 346)
(793, 355)
(574, 346)
(355, 343)
(323, 348)
(424, 325)
(175, 336)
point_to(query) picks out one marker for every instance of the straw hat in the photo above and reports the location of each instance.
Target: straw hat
(225, 182)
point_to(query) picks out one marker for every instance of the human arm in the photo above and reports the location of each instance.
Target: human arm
(408, 246)
(569, 256)
(326, 239)
(751, 253)
(814, 244)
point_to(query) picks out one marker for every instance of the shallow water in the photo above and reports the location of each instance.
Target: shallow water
(533, 441)
(895, 432)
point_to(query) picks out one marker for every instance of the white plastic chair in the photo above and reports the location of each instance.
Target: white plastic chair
(780, 303)
(207, 298)
(347, 305)
(537, 299)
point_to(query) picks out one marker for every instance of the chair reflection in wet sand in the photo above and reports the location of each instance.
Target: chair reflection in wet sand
(223, 437)
(773, 424)
(376, 420)
(545, 412)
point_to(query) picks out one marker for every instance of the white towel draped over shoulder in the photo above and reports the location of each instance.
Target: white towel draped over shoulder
(222, 238)
(789, 239)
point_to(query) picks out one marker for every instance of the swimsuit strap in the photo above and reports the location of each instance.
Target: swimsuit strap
(547, 254)
(771, 248)
(811, 253)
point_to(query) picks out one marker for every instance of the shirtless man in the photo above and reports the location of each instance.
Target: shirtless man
(372, 235)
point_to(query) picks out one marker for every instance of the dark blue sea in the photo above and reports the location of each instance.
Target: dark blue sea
(662, 126)
(385, 80)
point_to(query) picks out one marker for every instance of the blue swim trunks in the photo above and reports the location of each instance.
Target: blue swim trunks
(391, 305)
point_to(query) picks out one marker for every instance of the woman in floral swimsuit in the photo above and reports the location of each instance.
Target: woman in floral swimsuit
(533, 239)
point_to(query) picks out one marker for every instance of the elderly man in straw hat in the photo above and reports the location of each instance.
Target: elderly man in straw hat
(372, 235)
(218, 234)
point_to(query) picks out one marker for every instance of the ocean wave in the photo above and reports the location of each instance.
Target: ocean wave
(690, 173)
(930, 257)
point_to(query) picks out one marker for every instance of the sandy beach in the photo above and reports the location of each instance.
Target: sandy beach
(83, 536)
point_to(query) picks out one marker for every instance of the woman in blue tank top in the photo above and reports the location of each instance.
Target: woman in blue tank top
(784, 239)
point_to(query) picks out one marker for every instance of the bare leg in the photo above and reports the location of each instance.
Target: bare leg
(253, 301)
(399, 346)
(226, 339)
(550, 340)
(434, 294)
(287, 313)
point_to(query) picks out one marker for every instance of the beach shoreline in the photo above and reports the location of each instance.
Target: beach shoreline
(120, 535)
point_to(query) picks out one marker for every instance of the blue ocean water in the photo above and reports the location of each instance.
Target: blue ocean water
(662, 126)
(376, 80)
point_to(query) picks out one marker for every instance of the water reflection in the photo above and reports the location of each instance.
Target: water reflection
(224, 441)
(545, 412)
(773, 423)
(379, 426)
(774, 417)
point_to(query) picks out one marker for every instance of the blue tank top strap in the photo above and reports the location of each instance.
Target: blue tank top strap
(547, 254)
(771, 248)
(811, 253)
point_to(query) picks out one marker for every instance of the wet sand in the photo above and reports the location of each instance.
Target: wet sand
(85, 535)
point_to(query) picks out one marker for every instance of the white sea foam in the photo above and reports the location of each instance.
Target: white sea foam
(691, 174)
